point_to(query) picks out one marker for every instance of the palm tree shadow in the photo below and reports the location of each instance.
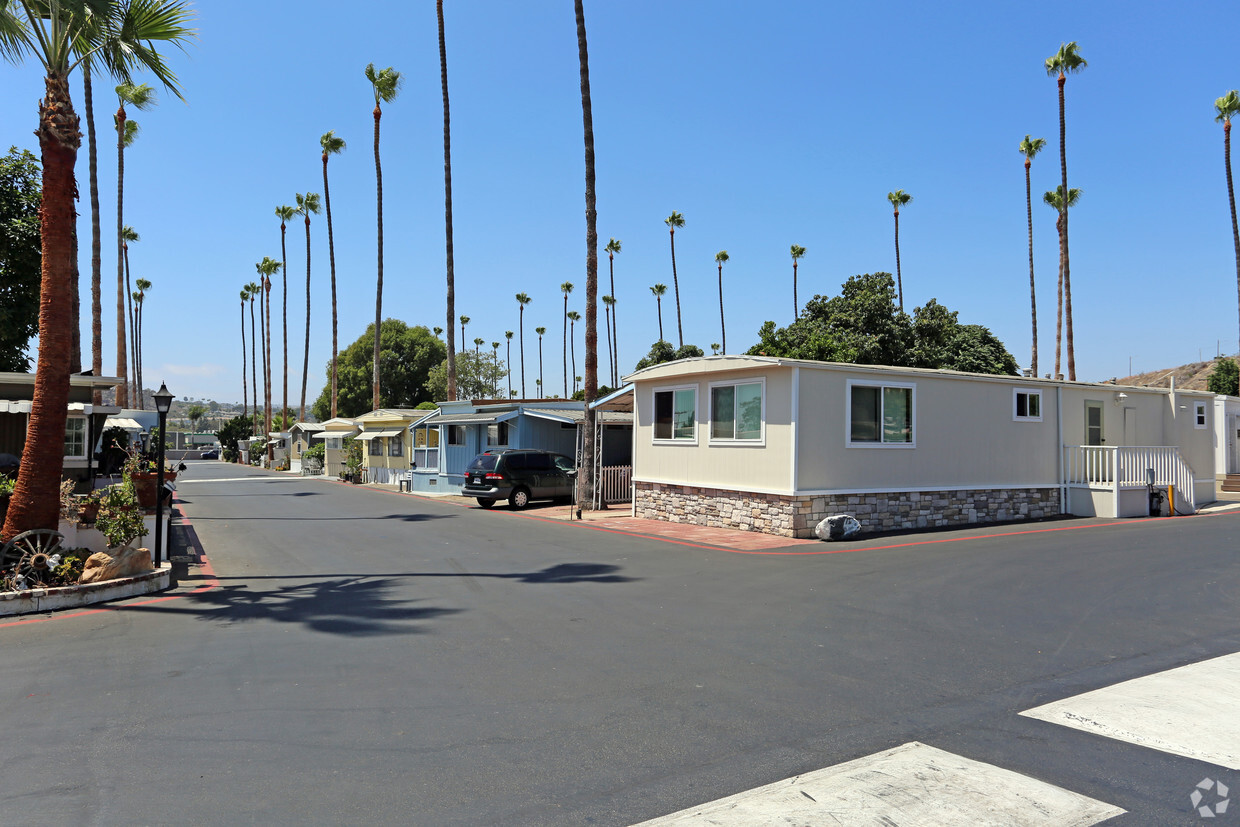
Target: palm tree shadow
(572, 573)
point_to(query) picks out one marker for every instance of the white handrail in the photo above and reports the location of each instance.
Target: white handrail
(1115, 467)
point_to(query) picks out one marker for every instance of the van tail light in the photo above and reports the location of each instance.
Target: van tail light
(494, 476)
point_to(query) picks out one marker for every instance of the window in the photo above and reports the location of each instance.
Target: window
(497, 434)
(375, 447)
(736, 412)
(675, 414)
(396, 445)
(75, 437)
(332, 443)
(1199, 415)
(456, 434)
(880, 414)
(1028, 406)
(426, 448)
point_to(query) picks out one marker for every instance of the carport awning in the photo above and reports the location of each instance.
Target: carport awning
(364, 435)
(122, 422)
(466, 419)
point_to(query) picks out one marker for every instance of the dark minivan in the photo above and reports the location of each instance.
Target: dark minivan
(519, 477)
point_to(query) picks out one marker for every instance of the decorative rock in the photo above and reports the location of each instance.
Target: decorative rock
(127, 562)
(838, 527)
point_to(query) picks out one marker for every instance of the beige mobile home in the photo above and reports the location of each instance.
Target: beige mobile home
(775, 445)
(334, 433)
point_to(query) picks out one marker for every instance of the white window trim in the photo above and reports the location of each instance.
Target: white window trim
(1030, 392)
(696, 419)
(82, 455)
(1201, 419)
(760, 442)
(870, 383)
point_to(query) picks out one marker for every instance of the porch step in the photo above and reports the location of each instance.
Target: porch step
(1231, 483)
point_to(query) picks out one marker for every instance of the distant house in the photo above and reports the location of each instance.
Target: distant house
(446, 442)
(387, 442)
(776, 445)
(302, 435)
(1227, 438)
(334, 434)
(83, 427)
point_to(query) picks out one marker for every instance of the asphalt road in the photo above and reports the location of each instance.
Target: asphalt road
(368, 657)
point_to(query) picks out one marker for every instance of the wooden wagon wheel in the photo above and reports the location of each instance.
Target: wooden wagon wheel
(29, 554)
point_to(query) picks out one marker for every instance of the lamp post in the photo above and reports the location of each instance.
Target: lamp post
(163, 401)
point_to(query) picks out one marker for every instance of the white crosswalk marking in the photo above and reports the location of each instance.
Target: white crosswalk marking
(1193, 711)
(910, 785)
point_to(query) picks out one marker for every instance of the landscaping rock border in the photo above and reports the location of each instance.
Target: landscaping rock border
(72, 597)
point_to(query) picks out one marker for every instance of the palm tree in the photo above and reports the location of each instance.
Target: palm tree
(1059, 65)
(331, 145)
(267, 268)
(141, 97)
(522, 301)
(447, 199)
(540, 331)
(898, 199)
(464, 321)
(245, 404)
(140, 297)
(438, 331)
(128, 234)
(495, 369)
(608, 305)
(573, 318)
(797, 251)
(673, 221)
(478, 340)
(659, 290)
(254, 290)
(386, 86)
(508, 334)
(51, 35)
(285, 213)
(566, 288)
(1055, 200)
(585, 481)
(720, 258)
(714, 348)
(1030, 147)
(307, 205)
(1226, 108)
(613, 247)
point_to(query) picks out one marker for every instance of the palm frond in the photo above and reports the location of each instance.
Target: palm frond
(721, 256)
(1227, 106)
(131, 133)
(140, 96)
(613, 246)
(331, 144)
(675, 220)
(130, 41)
(285, 213)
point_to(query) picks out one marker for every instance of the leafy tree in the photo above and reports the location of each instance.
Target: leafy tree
(475, 373)
(1059, 65)
(406, 357)
(863, 326)
(194, 414)
(1225, 378)
(662, 351)
(20, 258)
(1029, 148)
(237, 428)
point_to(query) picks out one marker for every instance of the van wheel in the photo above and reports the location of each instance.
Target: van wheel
(520, 499)
(485, 503)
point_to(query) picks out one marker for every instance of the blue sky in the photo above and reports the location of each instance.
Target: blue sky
(764, 125)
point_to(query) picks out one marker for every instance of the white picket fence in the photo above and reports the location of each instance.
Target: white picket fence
(1115, 467)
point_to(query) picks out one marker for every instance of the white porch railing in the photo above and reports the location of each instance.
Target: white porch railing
(1114, 467)
(615, 482)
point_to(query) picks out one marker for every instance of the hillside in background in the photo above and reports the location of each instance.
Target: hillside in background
(1190, 377)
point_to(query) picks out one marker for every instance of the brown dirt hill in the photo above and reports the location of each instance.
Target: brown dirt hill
(1190, 377)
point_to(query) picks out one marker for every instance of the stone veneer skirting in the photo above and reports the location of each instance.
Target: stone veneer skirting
(796, 516)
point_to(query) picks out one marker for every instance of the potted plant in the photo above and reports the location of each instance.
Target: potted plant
(140, 471)
(120, 518)
(88, 506)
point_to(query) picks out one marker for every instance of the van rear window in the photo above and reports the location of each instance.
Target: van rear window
(484, 462)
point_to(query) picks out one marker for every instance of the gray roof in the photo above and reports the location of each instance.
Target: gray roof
(578, 415)
(465, 418)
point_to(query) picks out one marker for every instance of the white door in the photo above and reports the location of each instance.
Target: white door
(1093, 423)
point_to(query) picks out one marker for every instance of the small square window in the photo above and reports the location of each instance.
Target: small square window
(1199, 420)
(396, 446)
(456, 434)
(675, 414)
(374, 447)
(497, 434)
(1028, 406)
(75, 437)
(880, 414)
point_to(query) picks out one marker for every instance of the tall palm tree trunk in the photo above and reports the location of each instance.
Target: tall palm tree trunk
(75, 326)
(899, 280)
(378, 113)
(122, 358)
(542, 389)
(96, 239)
(1059, 305)
(508, 359)
(566, 348)
(615, 327)
(254, 364)
(611, 358)
(305, 362)
(723, 328)
(331, 257)
(659, 301)
(1231, 197)
(265, 336)
(245, 402)
(284, 311)
(35, 501)
(796, 305)
(676, 285)
(1067, 277)
(447, 201)
(136, 398)
(270, 378)
(1033, 302)
(585, 481)
(521, 328)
